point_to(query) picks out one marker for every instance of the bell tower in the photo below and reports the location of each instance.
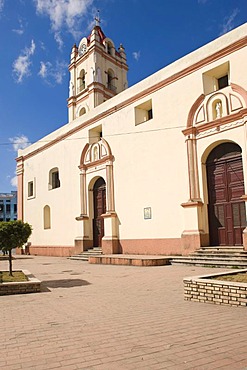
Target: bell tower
(97, 72)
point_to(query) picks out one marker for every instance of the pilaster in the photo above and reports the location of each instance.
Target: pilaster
(20, 189)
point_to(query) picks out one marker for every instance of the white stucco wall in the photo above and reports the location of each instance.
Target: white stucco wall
(150, 167)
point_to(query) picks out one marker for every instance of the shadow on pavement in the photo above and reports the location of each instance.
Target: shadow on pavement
(63, 283)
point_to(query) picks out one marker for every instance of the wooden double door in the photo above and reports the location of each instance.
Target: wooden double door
(99, 201)
(226, 209)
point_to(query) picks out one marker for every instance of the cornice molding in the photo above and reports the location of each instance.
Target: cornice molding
(195, 130)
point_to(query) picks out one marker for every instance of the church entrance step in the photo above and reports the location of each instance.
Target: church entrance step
(209, 263)
(84, 256)
(216, 249)
(219, 256)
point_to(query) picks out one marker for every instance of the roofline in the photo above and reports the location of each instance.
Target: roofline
(240, 43)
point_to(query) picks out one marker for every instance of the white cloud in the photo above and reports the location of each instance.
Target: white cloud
(43, 69)
(53, 74)
(32, 48)
(1, 5)
(21, 66)
(59, 40)
(62, 13)
(19, 30)
(136, 55)
(42, 45)
(19, 142)
(228, 24)
(13, 181)
(60, 71)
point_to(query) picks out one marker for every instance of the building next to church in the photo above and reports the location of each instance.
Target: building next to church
(8, 206)
(156, 168)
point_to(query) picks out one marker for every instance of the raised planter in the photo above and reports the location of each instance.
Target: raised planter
(209, 290)
(32, 285)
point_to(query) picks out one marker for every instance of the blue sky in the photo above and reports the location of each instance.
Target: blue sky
(36, 37)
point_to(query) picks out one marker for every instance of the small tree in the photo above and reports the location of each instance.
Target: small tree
(13, 234)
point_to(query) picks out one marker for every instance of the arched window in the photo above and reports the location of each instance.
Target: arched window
(110, 80)
(47, 217)
(82, 111)
(54, 181)
(81, 81)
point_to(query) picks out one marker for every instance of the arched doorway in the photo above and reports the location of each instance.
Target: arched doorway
(226, 209)
(99, 204)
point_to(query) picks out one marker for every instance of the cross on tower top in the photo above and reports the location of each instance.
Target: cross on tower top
(97, 19)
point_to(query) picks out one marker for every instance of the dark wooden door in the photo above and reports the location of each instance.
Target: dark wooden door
(226, 209)
(99, 201)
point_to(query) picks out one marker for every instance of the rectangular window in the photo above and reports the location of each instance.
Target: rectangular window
(216, 78)
(30, 189)
(95, 134)
(7, 207)
(1, 207)
(143, 112)
(15, 208)
(55, 182)
(223, 82)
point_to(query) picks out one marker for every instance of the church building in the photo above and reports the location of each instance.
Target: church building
(157, 168)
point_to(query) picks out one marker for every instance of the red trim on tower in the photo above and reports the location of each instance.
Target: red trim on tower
(101, 34)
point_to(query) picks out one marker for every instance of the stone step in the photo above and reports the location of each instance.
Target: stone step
(89, 253)
(83, 256)
(221, 256)
(209, 263)
(220, 251)
(215, 260)
(218, 255)
(79, 258)
(222, 248)
(214, 251)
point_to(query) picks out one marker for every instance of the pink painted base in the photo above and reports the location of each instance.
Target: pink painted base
(110, 246)
(54, 251)
(82, 245)
(151, 246)
(190, 242)
(127, 246)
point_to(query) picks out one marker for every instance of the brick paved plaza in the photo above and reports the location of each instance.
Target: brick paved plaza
(100, 317)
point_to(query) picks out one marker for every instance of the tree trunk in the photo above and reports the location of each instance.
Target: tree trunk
(10, 263)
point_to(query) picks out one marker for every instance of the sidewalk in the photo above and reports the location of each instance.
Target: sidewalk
(101, 317)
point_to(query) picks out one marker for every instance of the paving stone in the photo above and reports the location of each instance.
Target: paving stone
(103, 317)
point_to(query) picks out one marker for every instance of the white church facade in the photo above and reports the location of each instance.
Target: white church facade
(156, 168)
